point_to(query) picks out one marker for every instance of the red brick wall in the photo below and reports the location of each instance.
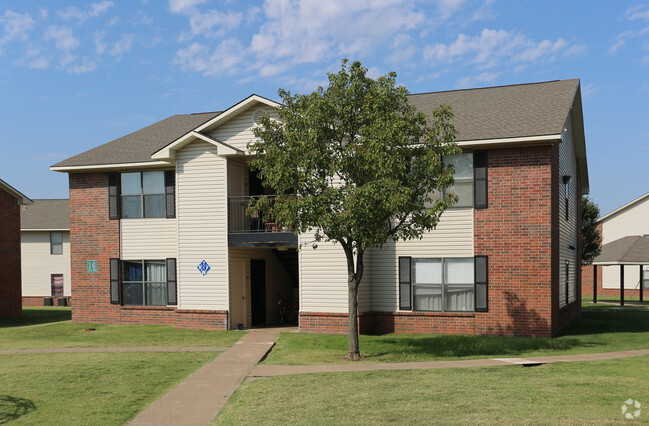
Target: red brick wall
(38, 300)
(516, 233)
(93, 236)
(10, 275)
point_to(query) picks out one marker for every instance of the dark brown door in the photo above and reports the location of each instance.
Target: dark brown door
(258, 291)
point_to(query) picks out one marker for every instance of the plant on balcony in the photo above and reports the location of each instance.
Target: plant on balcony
(356, 164)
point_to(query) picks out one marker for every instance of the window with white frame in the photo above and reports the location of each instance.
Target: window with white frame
(143, 194)
(443, 284)
(56, 243)
(144, 282)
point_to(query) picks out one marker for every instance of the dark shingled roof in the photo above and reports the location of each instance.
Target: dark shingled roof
(534, 109)
(633, 249)
(46, 214)
(138, 146)
(523, 110)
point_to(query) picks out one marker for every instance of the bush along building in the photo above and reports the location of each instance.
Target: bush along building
(160, 233)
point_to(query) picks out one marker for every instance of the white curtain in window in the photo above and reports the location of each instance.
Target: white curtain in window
(156, 283)
(428, 298)
(459, 298)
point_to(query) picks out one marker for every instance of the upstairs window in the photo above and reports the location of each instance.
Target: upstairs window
(143, 194)
(463, 186)
(56, 243)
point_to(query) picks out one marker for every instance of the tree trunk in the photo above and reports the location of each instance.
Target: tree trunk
(354, 351)
(354, 276)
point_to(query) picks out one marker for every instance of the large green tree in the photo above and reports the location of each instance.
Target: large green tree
(591, 239)
(357, 165)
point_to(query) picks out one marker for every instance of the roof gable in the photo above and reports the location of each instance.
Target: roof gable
(200, 133)
(624, 207)
(22, 198)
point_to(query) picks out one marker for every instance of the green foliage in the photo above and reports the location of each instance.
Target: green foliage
(355, 162)
(591, 239)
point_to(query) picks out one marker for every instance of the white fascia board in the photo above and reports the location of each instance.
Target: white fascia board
(116, 166)
(169, 152)
(505, 141)
(234, 110)
(45, 230)
(624, 207)
(20, 197)
(620, 263)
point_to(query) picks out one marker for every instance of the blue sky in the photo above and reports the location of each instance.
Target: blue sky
(76, 74)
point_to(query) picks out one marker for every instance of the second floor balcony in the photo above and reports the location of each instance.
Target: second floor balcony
(252, 229)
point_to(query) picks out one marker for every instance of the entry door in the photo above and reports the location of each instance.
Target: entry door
(258, 291)
(237, 293)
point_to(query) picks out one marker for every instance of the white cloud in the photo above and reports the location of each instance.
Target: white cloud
(224, 59)
(87, 65)
(62, 36)
(485, 77)
(589, 90)
(492, 47)
(214, 23)
(182, 6)
(123, 45)
(427, 77)
(16, 26)
(91, 11)
(98, 38)
(638, 13)
(306, 32)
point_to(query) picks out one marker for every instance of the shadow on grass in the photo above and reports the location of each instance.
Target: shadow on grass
(12, 408)
(449, 346)
(33, 316)
(600, 320)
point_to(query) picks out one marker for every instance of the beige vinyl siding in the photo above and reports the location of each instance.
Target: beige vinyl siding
(278, 282)
(453, 237)
(148, 239)
(201, 200)
(237, 131)
(323, 276)
(611, 277)
(568, 232)
(633, 220)
(37, 264)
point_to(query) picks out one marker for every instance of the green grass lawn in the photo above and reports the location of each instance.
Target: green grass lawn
(88, 388)
(92, 388)
(52, 328)
(570, 393)
(599, 329)
(636, 298)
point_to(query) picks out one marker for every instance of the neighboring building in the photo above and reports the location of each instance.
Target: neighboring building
(45, 246)
(629, 220)
(10, 202)
(159, 231)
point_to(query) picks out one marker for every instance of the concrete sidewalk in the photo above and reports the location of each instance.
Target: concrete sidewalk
(281, 370)
(117, 349)
(198, 400)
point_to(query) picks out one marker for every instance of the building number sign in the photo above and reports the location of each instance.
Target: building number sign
(92, 266)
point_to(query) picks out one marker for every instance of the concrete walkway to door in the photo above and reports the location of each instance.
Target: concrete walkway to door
(198, 400)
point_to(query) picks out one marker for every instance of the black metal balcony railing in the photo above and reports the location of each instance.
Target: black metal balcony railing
(242, 222)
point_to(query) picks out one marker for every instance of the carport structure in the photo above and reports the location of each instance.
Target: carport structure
(627, 251)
